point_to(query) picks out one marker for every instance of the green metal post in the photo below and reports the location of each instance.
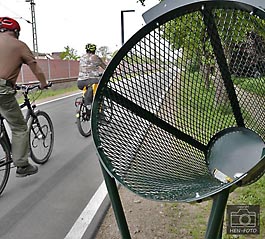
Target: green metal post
(215, 223)
(116, 204)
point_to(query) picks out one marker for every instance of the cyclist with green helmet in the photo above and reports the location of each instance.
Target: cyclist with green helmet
(91, 67)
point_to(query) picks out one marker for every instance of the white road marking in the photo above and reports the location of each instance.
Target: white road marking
(61, 98)
(85, 218)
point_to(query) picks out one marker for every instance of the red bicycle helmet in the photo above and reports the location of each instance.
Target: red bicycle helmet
(7, 23)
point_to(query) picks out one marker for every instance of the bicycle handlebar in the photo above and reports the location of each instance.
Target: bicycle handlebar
(27, 88)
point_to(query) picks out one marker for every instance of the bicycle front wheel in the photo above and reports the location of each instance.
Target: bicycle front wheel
(5, 159)
(41, 137)
(83, 120)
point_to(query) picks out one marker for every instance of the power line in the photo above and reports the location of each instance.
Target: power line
(15, 13)
(32, 22)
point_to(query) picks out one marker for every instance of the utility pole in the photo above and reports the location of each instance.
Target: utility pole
(34, 29)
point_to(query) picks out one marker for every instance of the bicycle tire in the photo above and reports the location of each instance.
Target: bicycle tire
(83, 120)
(41, 137)
(5, 166)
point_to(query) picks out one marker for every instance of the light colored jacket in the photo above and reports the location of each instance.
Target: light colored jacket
(89, 66)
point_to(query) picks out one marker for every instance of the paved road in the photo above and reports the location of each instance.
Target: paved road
(47, 205)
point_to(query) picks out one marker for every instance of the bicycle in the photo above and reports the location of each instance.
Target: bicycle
(41, 136)
(83, 112)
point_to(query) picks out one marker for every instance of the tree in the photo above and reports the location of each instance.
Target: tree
(141, 1)
(69, 54)
(191, 34)
(103, 52)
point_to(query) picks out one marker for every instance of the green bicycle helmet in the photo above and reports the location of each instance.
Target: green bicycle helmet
(91, 47)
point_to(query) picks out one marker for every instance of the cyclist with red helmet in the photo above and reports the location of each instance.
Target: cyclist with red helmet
(90, 70)
(13, 54)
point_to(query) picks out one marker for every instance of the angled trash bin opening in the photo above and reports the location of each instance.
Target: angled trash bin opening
(233, 155)
(195, 71)
(179, 112)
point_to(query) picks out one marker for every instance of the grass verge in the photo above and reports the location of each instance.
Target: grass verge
(44, 94)
(190, 220)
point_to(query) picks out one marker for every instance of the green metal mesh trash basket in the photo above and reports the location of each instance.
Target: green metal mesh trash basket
(179, 112)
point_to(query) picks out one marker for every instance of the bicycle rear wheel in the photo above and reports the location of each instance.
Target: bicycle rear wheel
(83, 120)
(5, 159)
(41, 137)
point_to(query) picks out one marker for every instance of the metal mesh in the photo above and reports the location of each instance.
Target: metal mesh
(172, 88)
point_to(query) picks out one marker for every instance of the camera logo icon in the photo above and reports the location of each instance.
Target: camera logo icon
(243, 219)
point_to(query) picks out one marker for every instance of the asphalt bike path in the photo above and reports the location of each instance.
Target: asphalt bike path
(67, 198)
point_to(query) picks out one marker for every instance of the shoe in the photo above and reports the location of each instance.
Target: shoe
(26, 171)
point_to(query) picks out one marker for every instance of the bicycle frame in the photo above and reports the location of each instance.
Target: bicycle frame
(30, 109)
(3, 132)
(80, 100)
(94, 88)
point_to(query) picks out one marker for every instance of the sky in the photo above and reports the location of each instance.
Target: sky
(61, 23)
